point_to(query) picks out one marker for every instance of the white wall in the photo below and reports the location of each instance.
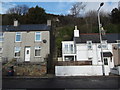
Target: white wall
(80, 70)
(83, 53)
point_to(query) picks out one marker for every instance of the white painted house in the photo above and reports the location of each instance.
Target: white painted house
(87, 48)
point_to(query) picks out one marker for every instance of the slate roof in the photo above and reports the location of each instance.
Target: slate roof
(110, 37)
(27, 27)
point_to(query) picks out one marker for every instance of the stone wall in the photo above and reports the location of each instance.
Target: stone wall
(25, 69)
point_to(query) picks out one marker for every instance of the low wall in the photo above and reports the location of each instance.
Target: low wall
(25, 69)
(115, 70)
(86, 70)
(119, 70)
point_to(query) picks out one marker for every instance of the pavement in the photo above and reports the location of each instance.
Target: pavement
(50, 81)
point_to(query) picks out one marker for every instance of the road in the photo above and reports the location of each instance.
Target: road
(97, 82)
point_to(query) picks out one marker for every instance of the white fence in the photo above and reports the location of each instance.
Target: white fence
(80, 70)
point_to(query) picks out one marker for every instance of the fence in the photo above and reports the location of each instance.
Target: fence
(73, 63)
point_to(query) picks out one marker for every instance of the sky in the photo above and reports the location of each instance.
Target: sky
(59, 8)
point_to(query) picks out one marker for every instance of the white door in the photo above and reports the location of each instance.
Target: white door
(27, 54)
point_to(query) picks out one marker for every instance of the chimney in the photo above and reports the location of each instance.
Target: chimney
(15, 23)
(48, 22)
(76, 32)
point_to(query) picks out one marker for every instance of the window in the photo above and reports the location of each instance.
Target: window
(17, 51)
(71, 47)
(68, 48)
(1, 49)
(104, 44)
(105, 61)
(18, 36)
(37, 51)
(89, 45)
(119, 46)
(1, 36)
(37, 36)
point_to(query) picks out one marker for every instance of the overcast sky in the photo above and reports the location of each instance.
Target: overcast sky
(59, 7)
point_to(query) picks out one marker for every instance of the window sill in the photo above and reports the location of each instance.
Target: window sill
(17, 57)
(18, 41)
(38, 41)
(37, 56)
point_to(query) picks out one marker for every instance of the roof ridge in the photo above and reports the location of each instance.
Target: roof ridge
(95, 33)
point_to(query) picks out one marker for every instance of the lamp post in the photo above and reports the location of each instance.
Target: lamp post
(100, 26)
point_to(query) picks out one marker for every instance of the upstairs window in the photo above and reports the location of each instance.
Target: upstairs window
(37, 51)
(68, 49)
(89, 45)
(18, 37)
(37, 36)
(17, 51)
(1, 36)
(104, 44)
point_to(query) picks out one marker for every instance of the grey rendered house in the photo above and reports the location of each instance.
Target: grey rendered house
(25, 43)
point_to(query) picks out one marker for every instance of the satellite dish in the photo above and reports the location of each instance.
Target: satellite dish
(99, 46)
(44, 41)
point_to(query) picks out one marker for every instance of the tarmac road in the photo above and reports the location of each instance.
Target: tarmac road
(97, 82)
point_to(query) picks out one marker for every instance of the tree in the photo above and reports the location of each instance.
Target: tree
(36, 15)
(115, 15)
(76, 9)
(91, 20)
(19, 9)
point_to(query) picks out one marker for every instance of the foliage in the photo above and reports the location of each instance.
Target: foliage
(65, 33)
(115, 15)
(36, 15)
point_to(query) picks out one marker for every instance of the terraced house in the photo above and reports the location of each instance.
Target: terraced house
(26, 43)
(83, 55)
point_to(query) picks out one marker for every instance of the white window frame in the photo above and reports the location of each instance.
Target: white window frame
(16, 51)
(16, 36)
(40, 37)
(35, 48)
(2, 37)
(68, 49)
(89, 45)
(104, 42)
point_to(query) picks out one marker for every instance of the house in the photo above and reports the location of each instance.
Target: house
(25, 43)
(85, 49)
(116, 52)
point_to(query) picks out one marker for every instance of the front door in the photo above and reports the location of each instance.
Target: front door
(108, 61)
(27, 54)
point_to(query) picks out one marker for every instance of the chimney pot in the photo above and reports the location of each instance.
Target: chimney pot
(15, 23)
(76, 32)
(48, 22)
